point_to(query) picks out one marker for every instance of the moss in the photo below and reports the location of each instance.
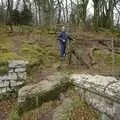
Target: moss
(107, 57)
(6, 42)
(3, 70)
(5, 57)
(33, 54)
(14, 116)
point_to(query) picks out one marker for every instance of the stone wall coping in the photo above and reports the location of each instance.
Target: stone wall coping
(102, 85)
(17, 63)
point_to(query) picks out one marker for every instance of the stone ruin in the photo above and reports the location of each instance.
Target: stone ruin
(16, 76)
(100, 92)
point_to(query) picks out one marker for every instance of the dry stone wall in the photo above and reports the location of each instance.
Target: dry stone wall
(101, 92)
(16, 76)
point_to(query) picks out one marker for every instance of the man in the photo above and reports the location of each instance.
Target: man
(63, 39)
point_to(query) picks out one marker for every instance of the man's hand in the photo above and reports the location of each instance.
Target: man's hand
(63, 40)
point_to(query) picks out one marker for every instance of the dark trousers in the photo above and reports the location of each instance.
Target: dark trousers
(62, 49)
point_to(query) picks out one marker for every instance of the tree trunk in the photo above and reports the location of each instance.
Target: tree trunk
(9, 11)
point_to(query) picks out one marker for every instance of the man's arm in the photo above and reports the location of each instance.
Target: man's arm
(59, 36)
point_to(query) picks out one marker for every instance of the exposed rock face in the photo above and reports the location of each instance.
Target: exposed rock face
(34, 95)
(103, 93)
(16, 76)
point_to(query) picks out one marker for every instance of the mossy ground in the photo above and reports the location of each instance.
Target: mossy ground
(40, 48)
(36, 46)
(108, 62)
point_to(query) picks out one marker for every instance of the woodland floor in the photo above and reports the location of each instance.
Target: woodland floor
(42, 51)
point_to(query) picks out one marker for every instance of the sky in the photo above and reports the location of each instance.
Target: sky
(90, 8)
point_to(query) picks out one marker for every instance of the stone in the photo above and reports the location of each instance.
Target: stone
(12, 76)
(101, 92)
(16, 83)
(20, 83)
(95, 83)
(11, 70)
(3, 90)
(16, 76)
(4, 84)
(18, 70)
(4, 78)
(22, 76)
(113, 90)
(17, 63)
(13, 83)
(44, 90)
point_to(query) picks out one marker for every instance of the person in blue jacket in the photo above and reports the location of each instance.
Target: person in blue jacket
(63, 39)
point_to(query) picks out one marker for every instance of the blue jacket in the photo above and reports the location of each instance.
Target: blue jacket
(63, 37)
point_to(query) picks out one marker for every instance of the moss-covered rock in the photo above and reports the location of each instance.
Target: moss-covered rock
(32, 96)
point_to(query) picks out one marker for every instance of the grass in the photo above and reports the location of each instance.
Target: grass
(6, 42)
(14, 116)
(42, 53)
(4, 59)
(46, 107)
(107, 57)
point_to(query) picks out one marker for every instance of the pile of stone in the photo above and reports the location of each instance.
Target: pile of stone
(16, 76)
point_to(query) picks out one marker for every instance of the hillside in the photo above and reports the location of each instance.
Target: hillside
(40, 48)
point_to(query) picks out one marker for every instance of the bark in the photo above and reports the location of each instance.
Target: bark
(9, 13)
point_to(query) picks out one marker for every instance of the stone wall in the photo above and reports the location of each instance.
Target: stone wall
(16, 76)
(103, 93)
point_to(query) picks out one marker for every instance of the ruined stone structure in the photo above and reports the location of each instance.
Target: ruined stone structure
(103, 93)
(16, 76)
(34, 95)
(100, 92)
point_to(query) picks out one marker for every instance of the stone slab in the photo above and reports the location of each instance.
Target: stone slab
(50, 84)
(4, 78)
(12, 76)
(11, 70)
(22, 76)
(17, 63)
(4, 84)
(18, 70)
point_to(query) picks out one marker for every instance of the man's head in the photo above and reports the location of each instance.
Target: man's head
(63, 28)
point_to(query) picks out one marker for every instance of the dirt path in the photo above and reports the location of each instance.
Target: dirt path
(17, 40)
(46, 116)
(39, 75)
